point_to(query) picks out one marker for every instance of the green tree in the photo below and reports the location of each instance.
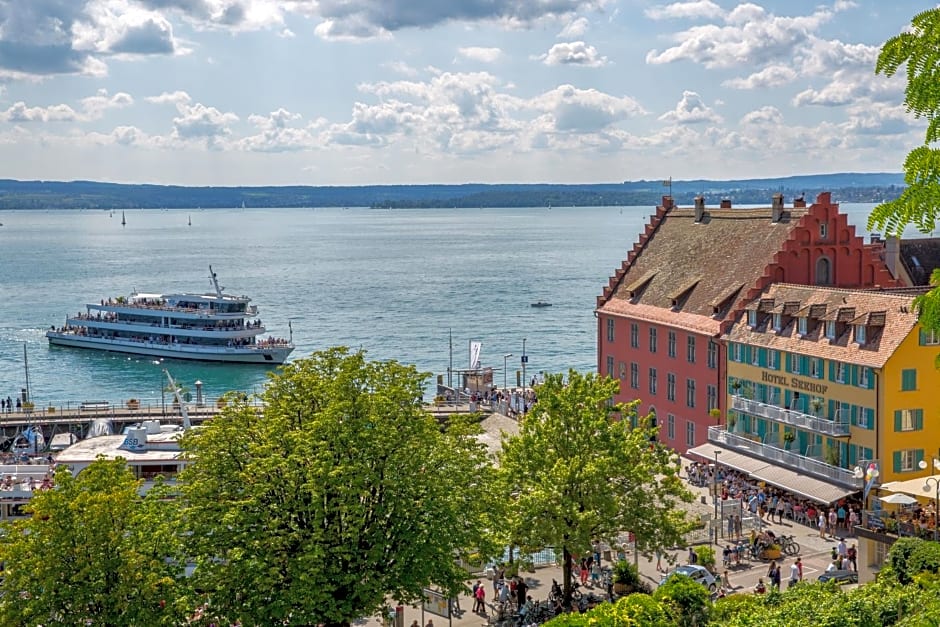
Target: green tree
(345, 493)
(93, 552)
(582, 469)
(917, 49)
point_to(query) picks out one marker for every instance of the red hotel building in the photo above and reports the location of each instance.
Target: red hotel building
(689, 277)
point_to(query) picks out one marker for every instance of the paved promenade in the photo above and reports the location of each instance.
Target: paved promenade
(814, 552)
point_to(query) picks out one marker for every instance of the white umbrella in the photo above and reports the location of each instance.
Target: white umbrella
(899, 499)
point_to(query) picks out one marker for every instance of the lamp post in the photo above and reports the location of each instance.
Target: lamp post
(523, 377)
(505, 358)
(715, 495)
(936, 496)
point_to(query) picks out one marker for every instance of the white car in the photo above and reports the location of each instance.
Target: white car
(699, 574)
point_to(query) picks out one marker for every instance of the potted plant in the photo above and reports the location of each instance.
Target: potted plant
(626, 578)
(715, 413)
(788, 437)
(771, 552)
(817, 405)
(732, 421)
(133, 403)
(736, 386)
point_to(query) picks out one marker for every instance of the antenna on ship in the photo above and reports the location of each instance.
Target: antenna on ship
(215, 282)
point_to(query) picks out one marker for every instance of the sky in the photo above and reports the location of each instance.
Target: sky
(355, 92)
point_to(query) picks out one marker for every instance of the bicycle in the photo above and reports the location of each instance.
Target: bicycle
(788, 546)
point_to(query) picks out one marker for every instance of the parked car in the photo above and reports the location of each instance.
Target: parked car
(839, 576)
(695, 573)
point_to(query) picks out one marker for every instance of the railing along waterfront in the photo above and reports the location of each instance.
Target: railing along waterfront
(789, 459)
(790, 417)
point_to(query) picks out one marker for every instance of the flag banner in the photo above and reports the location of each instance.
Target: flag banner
(475, 349)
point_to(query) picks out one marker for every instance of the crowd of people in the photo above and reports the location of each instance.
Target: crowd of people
(766, 502)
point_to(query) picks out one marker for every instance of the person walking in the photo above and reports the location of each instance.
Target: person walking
(773, 574)
(822, 523)
(659, 561)
(796, 572)
(479, 598)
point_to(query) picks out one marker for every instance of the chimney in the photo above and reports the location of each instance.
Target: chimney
(799, 203)
(699, 208)
(892, 254)
(725, 203)
(667, 202)
(776, 211)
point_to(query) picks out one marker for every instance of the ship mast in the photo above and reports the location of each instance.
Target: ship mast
(215, 282)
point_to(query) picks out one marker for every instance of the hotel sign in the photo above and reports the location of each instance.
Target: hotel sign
(792, 382)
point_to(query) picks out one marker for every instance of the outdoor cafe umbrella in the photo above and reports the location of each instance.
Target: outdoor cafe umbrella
(899, 499)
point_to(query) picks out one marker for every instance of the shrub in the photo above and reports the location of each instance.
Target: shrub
(688, 601)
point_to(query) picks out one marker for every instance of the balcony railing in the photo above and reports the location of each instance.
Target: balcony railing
(791, 417)
(788, 459)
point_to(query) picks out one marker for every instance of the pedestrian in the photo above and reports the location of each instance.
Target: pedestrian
(822, 523)
(842, 548)
(479, 593)
(796, 572)
(583, 571)
(833, 520)
(693, 558)
(596, 574)
(852, 554)
(737, 526)
(521, 589)
(773, 574)
(430, 623)
(659, 561)
(415, 623)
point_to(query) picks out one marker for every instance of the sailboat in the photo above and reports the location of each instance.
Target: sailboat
(123, 219)
(189, 221)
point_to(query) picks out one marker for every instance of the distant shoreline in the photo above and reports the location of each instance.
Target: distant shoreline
(845, 187)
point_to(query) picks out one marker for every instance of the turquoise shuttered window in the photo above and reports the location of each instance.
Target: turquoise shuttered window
(908, 380)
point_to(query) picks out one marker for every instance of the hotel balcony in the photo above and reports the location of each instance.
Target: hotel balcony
(790, 417)
(780, 458)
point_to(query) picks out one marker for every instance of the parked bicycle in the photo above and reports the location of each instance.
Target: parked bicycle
(788, 546)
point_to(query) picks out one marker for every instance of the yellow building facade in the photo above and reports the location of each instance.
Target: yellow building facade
(822, 383)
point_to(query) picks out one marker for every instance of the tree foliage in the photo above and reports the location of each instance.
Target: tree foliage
(344, 493)
(93, 552)
(918, 48)
(579, 470)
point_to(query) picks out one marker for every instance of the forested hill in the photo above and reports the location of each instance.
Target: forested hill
(848, 187)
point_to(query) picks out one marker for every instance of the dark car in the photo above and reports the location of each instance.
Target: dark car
(839, 576)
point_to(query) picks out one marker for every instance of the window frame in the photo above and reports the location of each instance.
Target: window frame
(654, 340)
(671, 344)
(690, 349)
(610, 329)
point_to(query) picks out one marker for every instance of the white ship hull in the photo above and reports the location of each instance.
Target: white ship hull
(273, 355)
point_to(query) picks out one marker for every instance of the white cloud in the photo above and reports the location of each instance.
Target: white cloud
(770, 76)
(400, 67)
(573, 53)
(685, 10)
(176, 98)
(584, 110)
(286, 33)
(95, 106)
(277, 133)
(750, 37)
(19, 112)
(483, 55)
(691, 110)
(199, 122)
(764, 115)
(574, 28)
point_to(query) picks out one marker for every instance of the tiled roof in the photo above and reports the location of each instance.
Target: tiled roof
(706, 264)
(920, 257)
(888, 313)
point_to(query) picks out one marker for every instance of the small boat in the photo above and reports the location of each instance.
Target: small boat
(540, 303)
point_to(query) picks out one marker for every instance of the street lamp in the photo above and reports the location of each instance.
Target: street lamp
(715, 495)
(505, 357)
(523, 377)
(936, 496)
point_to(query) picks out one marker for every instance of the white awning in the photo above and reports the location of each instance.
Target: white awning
(804, 485)
(798, 483)
(914, 487)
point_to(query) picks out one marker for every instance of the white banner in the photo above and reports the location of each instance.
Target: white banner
(475, 349)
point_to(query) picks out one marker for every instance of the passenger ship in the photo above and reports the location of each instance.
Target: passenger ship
(206, 327)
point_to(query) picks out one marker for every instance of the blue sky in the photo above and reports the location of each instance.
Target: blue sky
(345, 92)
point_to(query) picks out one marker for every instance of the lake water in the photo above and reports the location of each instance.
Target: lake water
(396, 283)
